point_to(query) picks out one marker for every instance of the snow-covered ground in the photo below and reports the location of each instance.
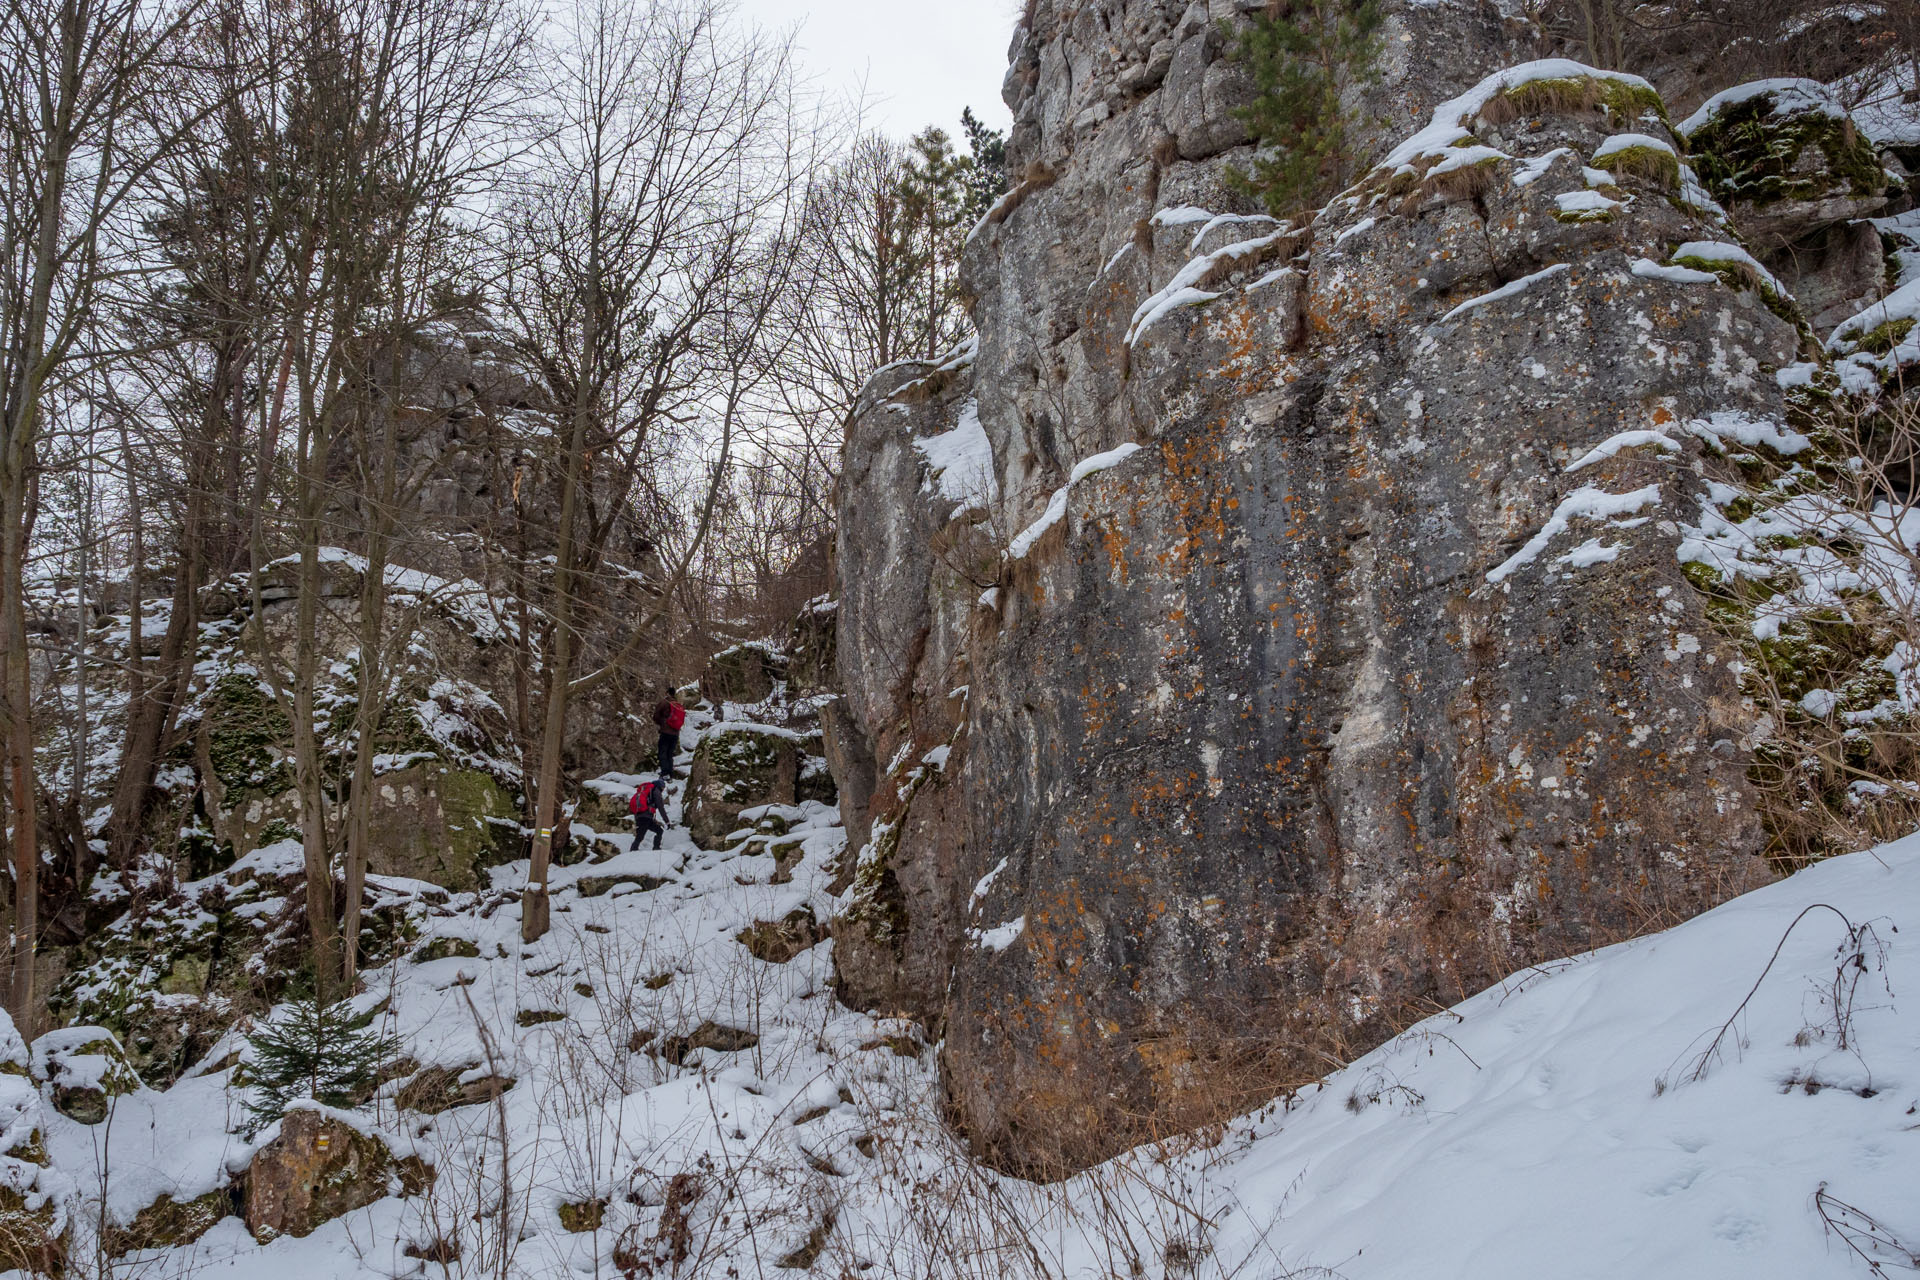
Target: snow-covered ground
(1739, 1096)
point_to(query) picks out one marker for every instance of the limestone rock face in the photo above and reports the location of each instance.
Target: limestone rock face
(317, 1169)
(914, 560)
(1305, 660)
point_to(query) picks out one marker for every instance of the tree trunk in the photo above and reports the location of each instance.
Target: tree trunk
(534, 910)
(19, 745)
(309, 776)
(150, 708)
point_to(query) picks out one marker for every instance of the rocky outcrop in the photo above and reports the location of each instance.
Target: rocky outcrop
(169, 977)
(736, 767)
(1800, 178)
(743, 673)
(1267, 631)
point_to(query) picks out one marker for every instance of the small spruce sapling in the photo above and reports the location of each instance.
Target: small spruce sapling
(1304, 56)
(324, 1052)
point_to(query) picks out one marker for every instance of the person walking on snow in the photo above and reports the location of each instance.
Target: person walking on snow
(649, 809)
(668, 715)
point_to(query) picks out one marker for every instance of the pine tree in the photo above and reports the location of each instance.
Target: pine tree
(1304, 56)
(935, 198)
(986, 176)
(323, 1052)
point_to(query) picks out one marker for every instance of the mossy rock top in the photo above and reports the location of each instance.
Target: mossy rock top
(1779, 140)
(1579, 89)
(84, 1066)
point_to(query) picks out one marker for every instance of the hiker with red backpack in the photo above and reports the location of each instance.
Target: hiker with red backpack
(668, 715)
(649, 809)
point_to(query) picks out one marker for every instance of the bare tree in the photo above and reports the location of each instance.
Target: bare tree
(640, 280)
(74, 76)
(373, 133)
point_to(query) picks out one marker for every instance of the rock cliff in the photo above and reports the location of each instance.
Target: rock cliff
(1264, 633)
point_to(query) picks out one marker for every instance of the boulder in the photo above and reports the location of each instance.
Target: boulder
(446, 949)
(442, 824)
(1786, 159)
(744, 673)
(33, 1221)
(440, 1089)
(84, 1069)
(167, 1223)
(778, 941)
(810, 645)
(317, 1168)
(737, 766)
(708, 1035)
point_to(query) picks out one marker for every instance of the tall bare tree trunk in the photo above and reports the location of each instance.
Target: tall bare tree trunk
(535, 916)
(24, 838)
(17, 457)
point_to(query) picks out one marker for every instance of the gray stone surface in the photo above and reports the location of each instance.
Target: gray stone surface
(1246, 761)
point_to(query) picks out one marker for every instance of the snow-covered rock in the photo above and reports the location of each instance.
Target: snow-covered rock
(84, 1069)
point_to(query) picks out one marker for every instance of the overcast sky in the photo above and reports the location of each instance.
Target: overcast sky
(921, 61)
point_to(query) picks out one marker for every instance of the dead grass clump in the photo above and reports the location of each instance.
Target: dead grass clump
(1571, 95)
(1453, 184)
(1038, 177)
(1661, 168)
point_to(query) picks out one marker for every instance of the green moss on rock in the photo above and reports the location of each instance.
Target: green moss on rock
(247, 734)
(1882, 339)
(1655, 164)
(1751, 153)
(446, 949)
(741, 761)
(1566, 95)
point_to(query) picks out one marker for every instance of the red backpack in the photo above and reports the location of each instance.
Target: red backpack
(642, 801)
(676, 716)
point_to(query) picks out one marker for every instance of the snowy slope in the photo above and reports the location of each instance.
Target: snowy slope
(1589, 1119)
(596, 1111)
